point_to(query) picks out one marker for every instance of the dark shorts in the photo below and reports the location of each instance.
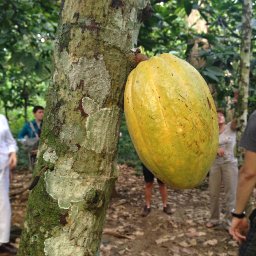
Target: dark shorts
(148, 175)
(248, 248)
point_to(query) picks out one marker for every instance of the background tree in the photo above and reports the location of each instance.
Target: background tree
(245, 61)
(76, 169)
(169, 31)
(27, 29)
(244, 72)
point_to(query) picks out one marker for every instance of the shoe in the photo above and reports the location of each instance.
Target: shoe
(167, 209)
(211, 224)
(146, 211)
(8, 248)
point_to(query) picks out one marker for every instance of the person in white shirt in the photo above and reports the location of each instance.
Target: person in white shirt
(8, 161)
(224, 171)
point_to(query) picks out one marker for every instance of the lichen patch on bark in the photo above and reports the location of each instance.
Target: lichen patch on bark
(61, 245)
(71, 133)
(100, 130)
(89, 105)
(50, 155)
(91, 71)
(64, 185)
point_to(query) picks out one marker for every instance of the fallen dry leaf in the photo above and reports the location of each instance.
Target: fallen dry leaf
(184, 244)
(163, 239)
(211, 242)
(128, 234)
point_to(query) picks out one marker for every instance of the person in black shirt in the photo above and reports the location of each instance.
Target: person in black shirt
(149, 180)
(246, 183)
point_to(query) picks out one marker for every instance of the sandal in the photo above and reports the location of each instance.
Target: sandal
(211, 224)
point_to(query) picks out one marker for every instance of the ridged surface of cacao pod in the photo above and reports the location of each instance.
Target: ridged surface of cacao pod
(172, 120)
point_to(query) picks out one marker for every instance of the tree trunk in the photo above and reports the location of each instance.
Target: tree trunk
(243, 83)
(6, 110)
(76, 160)
(25, 96)
(245, 57)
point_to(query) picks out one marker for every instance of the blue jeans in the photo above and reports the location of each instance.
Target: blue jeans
(248, 248)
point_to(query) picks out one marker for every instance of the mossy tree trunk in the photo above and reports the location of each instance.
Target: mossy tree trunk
(76, 160)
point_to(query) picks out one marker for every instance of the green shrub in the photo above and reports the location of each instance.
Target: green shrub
(126, 151)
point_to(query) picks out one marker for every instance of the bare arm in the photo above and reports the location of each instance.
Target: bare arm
(246, 184)
(247, 181)
(12, 160)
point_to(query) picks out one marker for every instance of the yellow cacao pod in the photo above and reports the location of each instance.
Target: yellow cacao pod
(172, 120)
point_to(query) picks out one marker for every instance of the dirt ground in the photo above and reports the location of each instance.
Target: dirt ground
(127, 233)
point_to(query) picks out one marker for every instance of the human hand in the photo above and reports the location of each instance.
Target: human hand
(12, 160)
(220, 152)
(139, 57)
(136, 57)
(233, 125)
(238, 229)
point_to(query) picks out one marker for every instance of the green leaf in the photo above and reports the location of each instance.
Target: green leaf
(188, 7)
(210, 75)
(215, 70)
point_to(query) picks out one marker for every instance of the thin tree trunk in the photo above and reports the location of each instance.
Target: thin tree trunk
(6, 109)
(243, 83)
(245, 57)
(76, 162)
(25, 95)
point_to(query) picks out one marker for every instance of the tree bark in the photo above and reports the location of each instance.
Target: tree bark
(76, 170)
(245, 57)
(6, 109)
(244, 70)
(25, 96)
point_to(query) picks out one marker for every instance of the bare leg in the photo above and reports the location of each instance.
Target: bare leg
(148, 193)
(163, 192)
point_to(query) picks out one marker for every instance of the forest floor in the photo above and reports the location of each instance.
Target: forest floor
(127, 233)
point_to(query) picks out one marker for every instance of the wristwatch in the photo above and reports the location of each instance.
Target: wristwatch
(238, 215)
